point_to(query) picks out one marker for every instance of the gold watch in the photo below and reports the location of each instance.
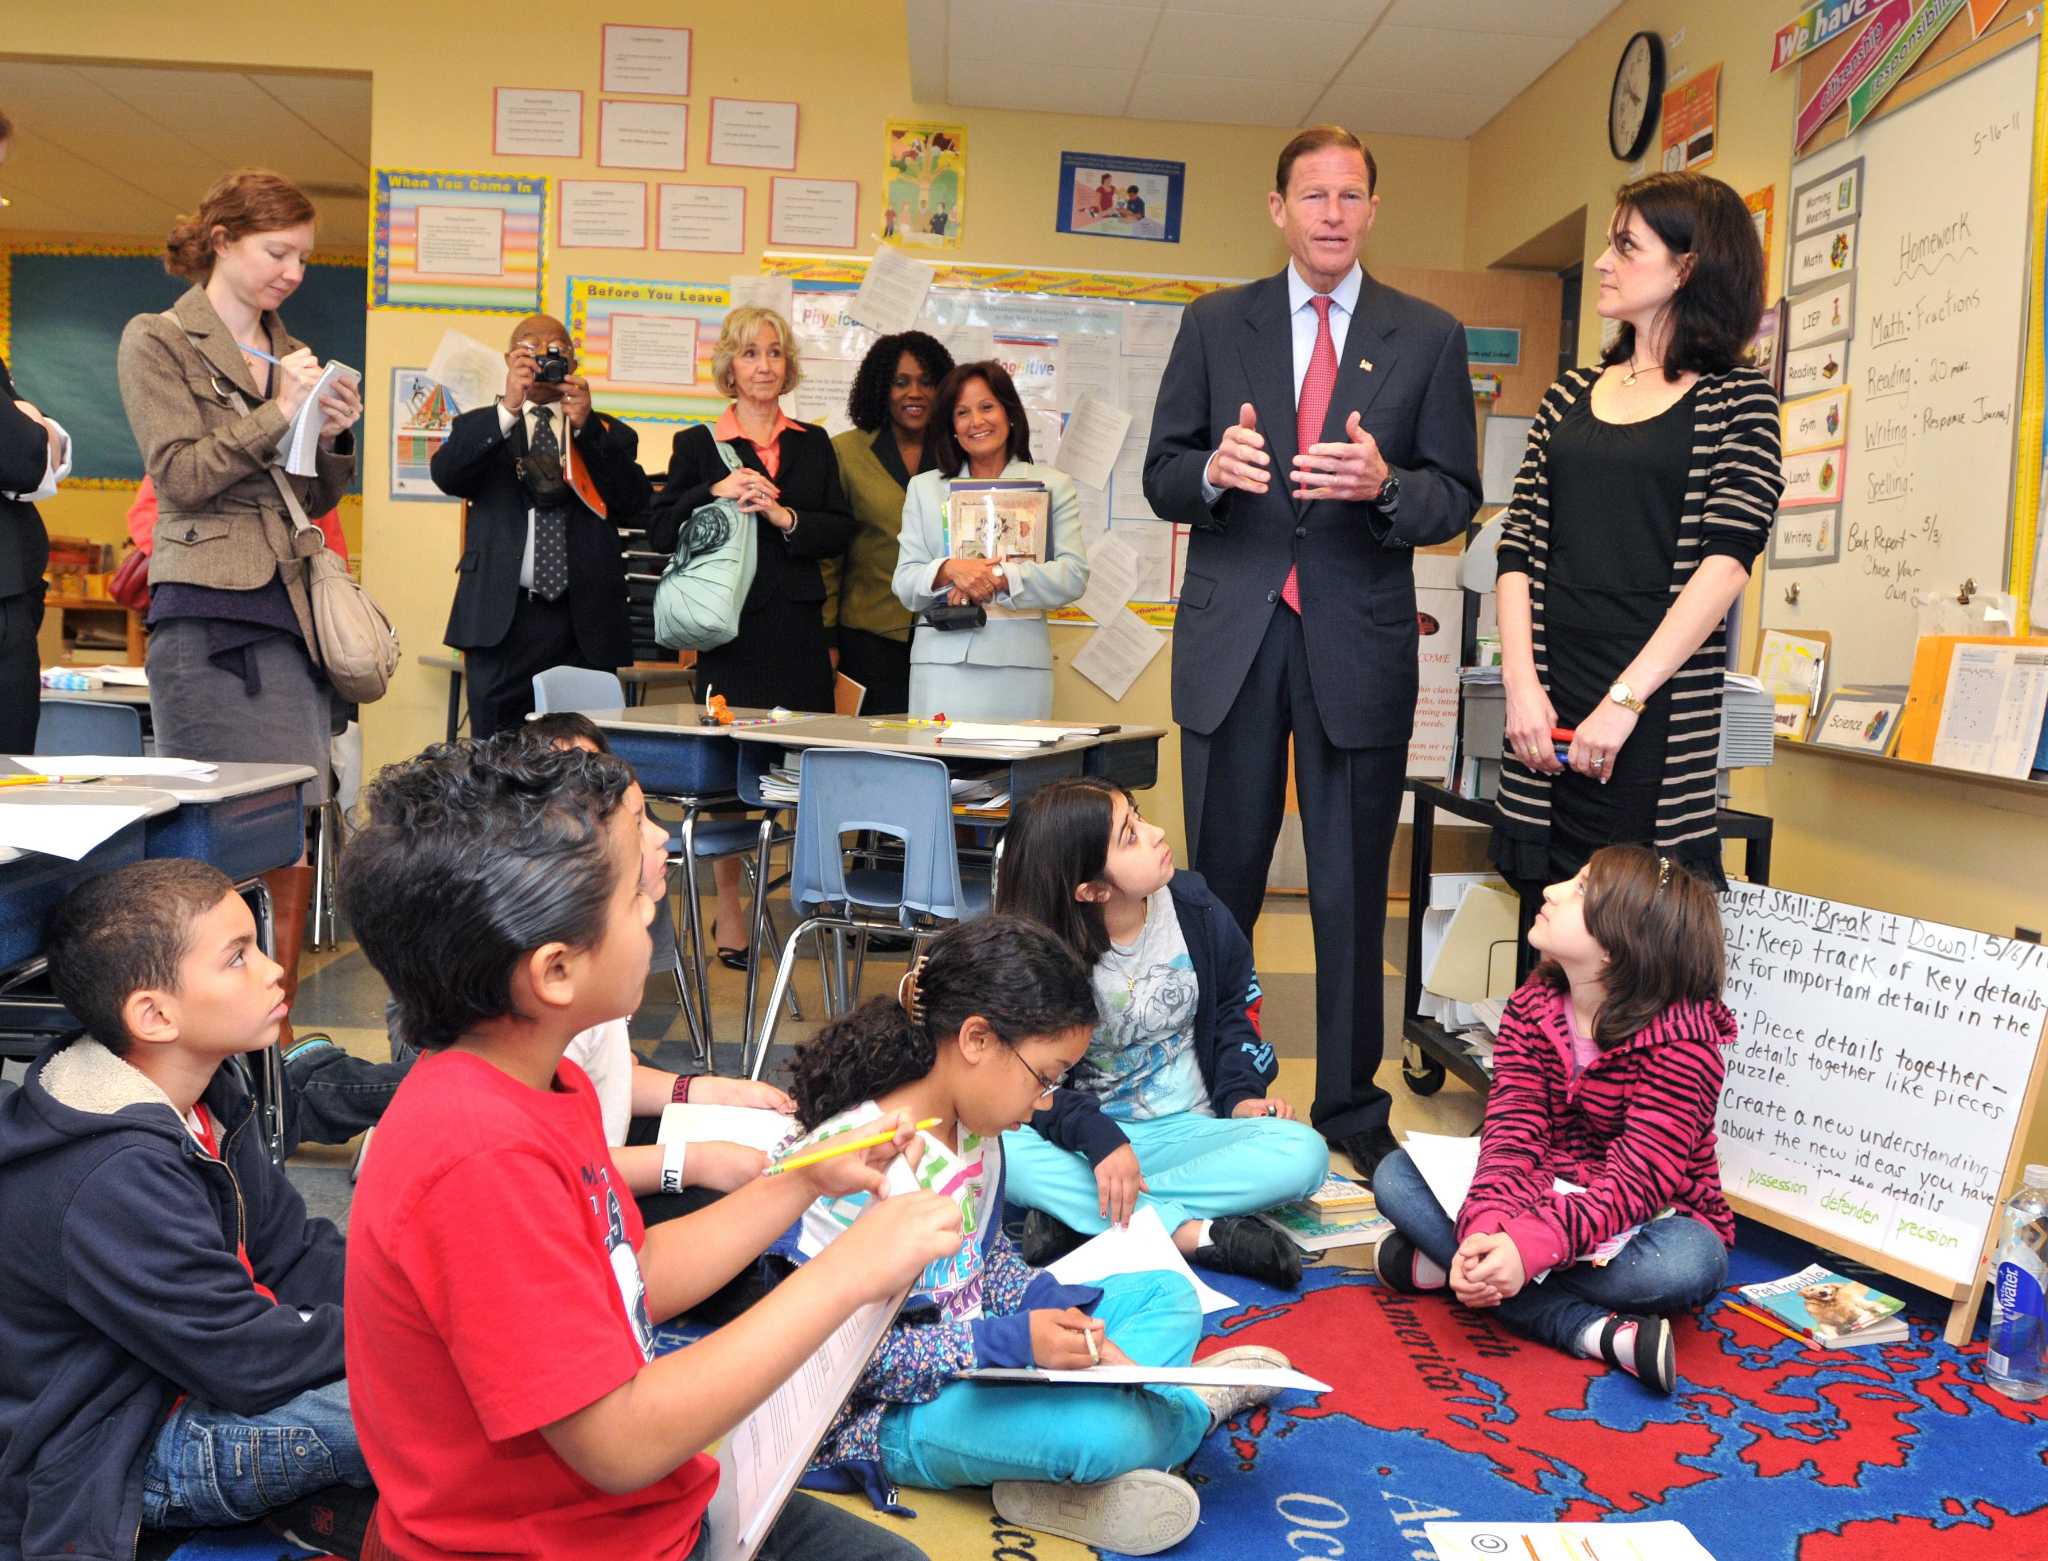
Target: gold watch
(1621, 696)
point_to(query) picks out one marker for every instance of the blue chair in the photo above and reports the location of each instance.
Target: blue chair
(577, 688)
(906, 798)
(87, 726)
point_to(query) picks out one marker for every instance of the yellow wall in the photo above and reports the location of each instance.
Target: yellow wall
(433, 70)
(1891, 839)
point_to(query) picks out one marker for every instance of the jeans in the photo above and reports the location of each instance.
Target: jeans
(1670, 1265)
(209, 1468)
(976, 1433)
(814, 1530)
(1195, 1167)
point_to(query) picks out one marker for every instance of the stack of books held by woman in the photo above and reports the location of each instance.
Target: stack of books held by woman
(1340, 1213)
(1825, 1308)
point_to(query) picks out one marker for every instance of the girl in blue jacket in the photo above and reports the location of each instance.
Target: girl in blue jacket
(1170, 1105)
(977, 1037)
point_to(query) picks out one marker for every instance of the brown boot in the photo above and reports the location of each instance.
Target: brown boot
(291, 896)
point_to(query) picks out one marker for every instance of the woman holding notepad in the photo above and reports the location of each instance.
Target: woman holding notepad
(991, 542)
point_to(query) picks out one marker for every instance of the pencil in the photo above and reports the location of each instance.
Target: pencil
(871, 1141)
(1768, 1322)
(1094, 1355)
(25, 780)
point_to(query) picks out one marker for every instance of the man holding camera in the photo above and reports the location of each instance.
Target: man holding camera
(542, 582)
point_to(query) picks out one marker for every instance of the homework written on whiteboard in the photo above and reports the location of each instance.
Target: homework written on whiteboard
(1875, 1090)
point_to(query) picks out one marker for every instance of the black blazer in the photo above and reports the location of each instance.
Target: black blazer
(24, 457)
(808, 480)
(1356, 582)
(475, 463)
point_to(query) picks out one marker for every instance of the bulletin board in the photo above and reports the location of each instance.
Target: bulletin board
(63, 308)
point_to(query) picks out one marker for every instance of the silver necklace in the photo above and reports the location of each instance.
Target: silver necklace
(1634, 369)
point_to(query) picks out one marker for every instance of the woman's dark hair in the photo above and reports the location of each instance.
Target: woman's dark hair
(249, 200)
(1058, 840)
(476, 854)
(1661, 928)
(867, 403)
(1021, 980)
(124, 931)
(566, 726)
(1720, 298)
(941, 448)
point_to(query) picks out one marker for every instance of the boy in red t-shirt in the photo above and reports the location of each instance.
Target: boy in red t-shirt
(501, 1285)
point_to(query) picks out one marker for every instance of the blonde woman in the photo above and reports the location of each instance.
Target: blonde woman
(789, 482)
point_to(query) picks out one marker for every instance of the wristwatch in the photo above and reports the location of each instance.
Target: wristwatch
(1389, 497)
(1002, 578)
(1621, 696)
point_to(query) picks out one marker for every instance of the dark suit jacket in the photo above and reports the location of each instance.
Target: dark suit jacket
(1356, 583)
(475, 463)
(24, 457)
(808, 479)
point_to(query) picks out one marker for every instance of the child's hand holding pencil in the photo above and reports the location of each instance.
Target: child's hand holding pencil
(1068, 1339)
(851, 1163)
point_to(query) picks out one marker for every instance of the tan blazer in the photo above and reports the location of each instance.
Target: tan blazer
(220, 519)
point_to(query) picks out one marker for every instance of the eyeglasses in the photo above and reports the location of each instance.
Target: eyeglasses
(1047, 1086)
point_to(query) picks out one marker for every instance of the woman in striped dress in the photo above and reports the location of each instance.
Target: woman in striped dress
(1607, 1075)
(1644, 497)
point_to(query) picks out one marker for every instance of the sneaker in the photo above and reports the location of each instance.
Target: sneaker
(1139, 1514)
(355, 1168)
(307, 1050)
(1045, 1239)
(335, 1520)
(1227, 1403)
(1654, 1360)
(1245, 1244)
(1393, 1263)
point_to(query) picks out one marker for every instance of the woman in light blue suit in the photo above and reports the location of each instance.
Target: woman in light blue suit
(1001, 671)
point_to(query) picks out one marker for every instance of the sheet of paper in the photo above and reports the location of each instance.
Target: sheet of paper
(302, 438)
(70, 831)
(766, 1131)
(1992, 711)
(1150, 329)
(530, 122)
(642, 135)
(814, 211)
(123, 677)
(469, 371)
(1088, 366)
(1659, 1541)
(705, 218)
(1093, 438)
(603, 213)
(1507, 439)
(1153, 547)
(112, 764)
(653, 349)
(1112, 578)
(750, 134)
(1195, 1376)
(821, 398)
(653, 60)
(1046, 435)
(969, 343)
(1127, 479)
(1120, 648)
(458, 240)
(765, 292)
(1094, 509)
(1137, 1248)
(1447, 1164)
(892, 293)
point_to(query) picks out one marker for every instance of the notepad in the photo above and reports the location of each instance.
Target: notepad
(1003, 734)
(302, 438)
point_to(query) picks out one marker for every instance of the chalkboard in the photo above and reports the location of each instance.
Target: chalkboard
(1906, 278)
(66, 309)
(1884, 1074)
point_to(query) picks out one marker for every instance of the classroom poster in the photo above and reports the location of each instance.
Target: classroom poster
(924, 184)
(1692, 112)
(422, 412)
(450, 241)
(1107, 196)
(646, 347)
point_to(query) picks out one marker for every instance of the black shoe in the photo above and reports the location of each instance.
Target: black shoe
(1393, 1263)
(1045, 1240)
(732, 959)
(336, 1520)
(1245, 1244)
(1654, 1361)
(1368, 1148)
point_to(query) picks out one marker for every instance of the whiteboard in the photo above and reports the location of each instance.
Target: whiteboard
(1911, 239)
(1876, 1089)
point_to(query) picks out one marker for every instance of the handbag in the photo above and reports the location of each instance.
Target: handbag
(130, 583)
(706, 580)
(949, 617)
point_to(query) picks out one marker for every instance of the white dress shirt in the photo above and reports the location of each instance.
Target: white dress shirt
(56, 467)
(560, 422)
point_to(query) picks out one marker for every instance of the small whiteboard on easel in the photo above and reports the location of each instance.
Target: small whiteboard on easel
(1878, 1098)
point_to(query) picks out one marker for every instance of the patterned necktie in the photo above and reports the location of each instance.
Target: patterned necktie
(1316, 386)
(550, 525)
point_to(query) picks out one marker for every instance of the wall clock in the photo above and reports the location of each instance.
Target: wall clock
(1637, 95)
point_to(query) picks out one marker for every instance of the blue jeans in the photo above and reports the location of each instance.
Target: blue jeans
(1670, 1265)
(1195, 1168)
(209, 1468)
(976, 1433)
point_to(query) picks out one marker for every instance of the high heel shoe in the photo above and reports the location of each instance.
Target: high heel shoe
(731, 958)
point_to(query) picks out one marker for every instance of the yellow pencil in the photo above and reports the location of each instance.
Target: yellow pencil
(872, 1141)
(25, 780)
(1768, 1322)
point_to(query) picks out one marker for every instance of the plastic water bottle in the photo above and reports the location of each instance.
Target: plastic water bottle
(2017, 1363)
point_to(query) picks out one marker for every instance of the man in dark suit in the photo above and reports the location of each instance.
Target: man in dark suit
(542, 582)
(1313, 428)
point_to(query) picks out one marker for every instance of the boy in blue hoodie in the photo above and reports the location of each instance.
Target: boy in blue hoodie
(170, 1318)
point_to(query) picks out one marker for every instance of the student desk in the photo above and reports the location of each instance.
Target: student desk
(637, 679)
(1128, 756)
(32, 884)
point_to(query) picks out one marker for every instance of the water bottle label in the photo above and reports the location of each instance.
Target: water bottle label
(2018, 1317)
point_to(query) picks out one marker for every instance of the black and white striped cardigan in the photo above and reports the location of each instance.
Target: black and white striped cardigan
(1731, 495)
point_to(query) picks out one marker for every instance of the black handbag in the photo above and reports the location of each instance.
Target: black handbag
(947, 618)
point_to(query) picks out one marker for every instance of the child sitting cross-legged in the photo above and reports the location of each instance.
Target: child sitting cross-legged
(501, 1285)
(170, 1318)
(1606, 1077)
(981, 1030)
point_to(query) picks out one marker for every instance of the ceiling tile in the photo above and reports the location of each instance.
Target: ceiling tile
(1553, 18)
(1049, 32)
(1361, 12)
(1269, 48)
(338, 107)
(1404, 111)
(1219, 100)
(1075, 89)
(1478, 65)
